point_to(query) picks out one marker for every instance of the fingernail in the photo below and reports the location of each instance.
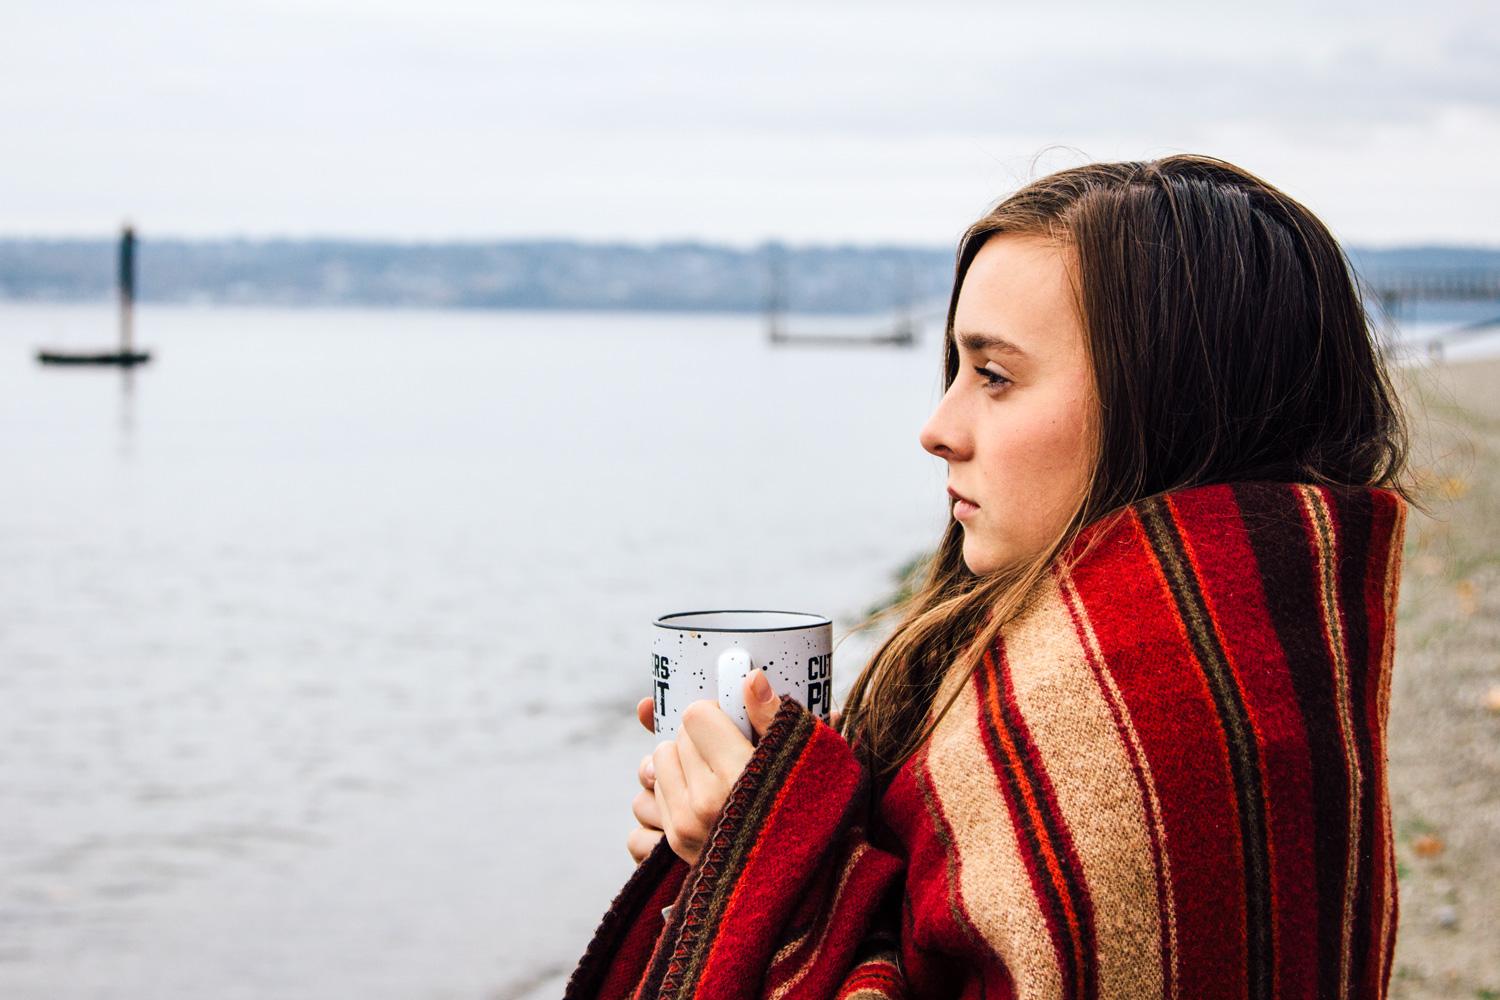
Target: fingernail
(761, 687)
(650, 770)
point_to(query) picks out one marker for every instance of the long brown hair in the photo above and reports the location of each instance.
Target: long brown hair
(1228, 341)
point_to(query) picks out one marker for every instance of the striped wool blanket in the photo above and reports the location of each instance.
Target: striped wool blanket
(1167, 779)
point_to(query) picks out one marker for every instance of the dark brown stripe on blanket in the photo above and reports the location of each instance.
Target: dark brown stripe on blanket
(1286, 552)
(1244, 756)
(1353, 516)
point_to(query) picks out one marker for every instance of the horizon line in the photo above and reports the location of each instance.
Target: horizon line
(606, 242)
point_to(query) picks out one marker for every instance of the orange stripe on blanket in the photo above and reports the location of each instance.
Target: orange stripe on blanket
(1039, 825)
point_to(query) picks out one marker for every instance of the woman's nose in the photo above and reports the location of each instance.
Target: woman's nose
(942, 436)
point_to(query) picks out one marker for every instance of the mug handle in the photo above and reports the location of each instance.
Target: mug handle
(734, 666)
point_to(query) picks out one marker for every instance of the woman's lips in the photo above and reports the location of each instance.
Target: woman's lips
(962, 506)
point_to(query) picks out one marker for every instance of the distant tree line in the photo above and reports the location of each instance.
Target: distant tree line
(540, 274)
(536, 274)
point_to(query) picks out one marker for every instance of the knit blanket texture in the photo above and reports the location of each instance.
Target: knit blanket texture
(1167, 778)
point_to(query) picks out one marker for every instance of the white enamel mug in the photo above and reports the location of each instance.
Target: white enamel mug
(708, 654)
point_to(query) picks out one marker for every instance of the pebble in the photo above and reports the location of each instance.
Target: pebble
(1468, 597)
(1427, 846)
(1447, 917)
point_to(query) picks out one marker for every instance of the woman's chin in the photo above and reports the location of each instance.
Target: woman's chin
(982, 559)
(979, 561)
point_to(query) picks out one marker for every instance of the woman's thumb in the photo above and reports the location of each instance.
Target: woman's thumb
(761, 703)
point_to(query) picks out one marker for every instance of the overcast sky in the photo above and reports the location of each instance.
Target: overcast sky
(806, 121)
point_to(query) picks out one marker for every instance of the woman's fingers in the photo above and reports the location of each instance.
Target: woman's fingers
(645, 711)
(694, 767)
(706, 790)
(641, 842)
(645, 810)
(671, 791)
(761, 702)
(717, 739)
(646, 773)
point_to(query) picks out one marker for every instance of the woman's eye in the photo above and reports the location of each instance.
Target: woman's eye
(992, 378)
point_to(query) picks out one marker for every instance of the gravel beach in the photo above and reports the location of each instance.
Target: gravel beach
(1445, 701)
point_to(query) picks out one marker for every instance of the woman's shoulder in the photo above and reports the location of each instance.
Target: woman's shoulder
(1206, 650)
(1273, 550)
(1163, 721)
(1253, 592)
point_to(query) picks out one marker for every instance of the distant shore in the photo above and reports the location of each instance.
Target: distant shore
(668, 276)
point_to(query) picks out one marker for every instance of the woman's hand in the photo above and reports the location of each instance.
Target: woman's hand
(644, 837)
(685, 782)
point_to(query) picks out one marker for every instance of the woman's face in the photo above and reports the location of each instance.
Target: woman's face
(1015, 425)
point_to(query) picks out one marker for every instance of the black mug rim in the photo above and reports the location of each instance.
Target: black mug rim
(664, 620)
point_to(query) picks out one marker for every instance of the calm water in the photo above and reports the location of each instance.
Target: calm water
(320, 635)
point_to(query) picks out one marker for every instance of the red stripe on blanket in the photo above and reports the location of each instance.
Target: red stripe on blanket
(1220, 549)
(1184, 746)
(819, 966)
(807, 808)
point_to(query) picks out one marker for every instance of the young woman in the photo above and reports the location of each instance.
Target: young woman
(1127, 738)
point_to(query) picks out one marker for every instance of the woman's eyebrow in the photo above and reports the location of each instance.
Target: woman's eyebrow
(981, 342)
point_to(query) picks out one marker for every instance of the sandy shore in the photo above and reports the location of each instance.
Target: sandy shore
(1445, 702)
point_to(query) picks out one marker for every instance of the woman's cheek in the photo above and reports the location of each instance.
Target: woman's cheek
(1041, 475)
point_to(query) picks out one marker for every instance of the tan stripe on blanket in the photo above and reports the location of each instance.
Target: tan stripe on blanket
(992, 880)
(1086, 760)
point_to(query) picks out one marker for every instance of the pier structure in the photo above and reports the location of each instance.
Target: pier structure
(1392, 291)
(903, 330)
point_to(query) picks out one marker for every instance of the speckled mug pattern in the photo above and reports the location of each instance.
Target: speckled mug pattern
(688, 661)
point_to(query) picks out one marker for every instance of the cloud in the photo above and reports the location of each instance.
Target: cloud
(648, 119)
